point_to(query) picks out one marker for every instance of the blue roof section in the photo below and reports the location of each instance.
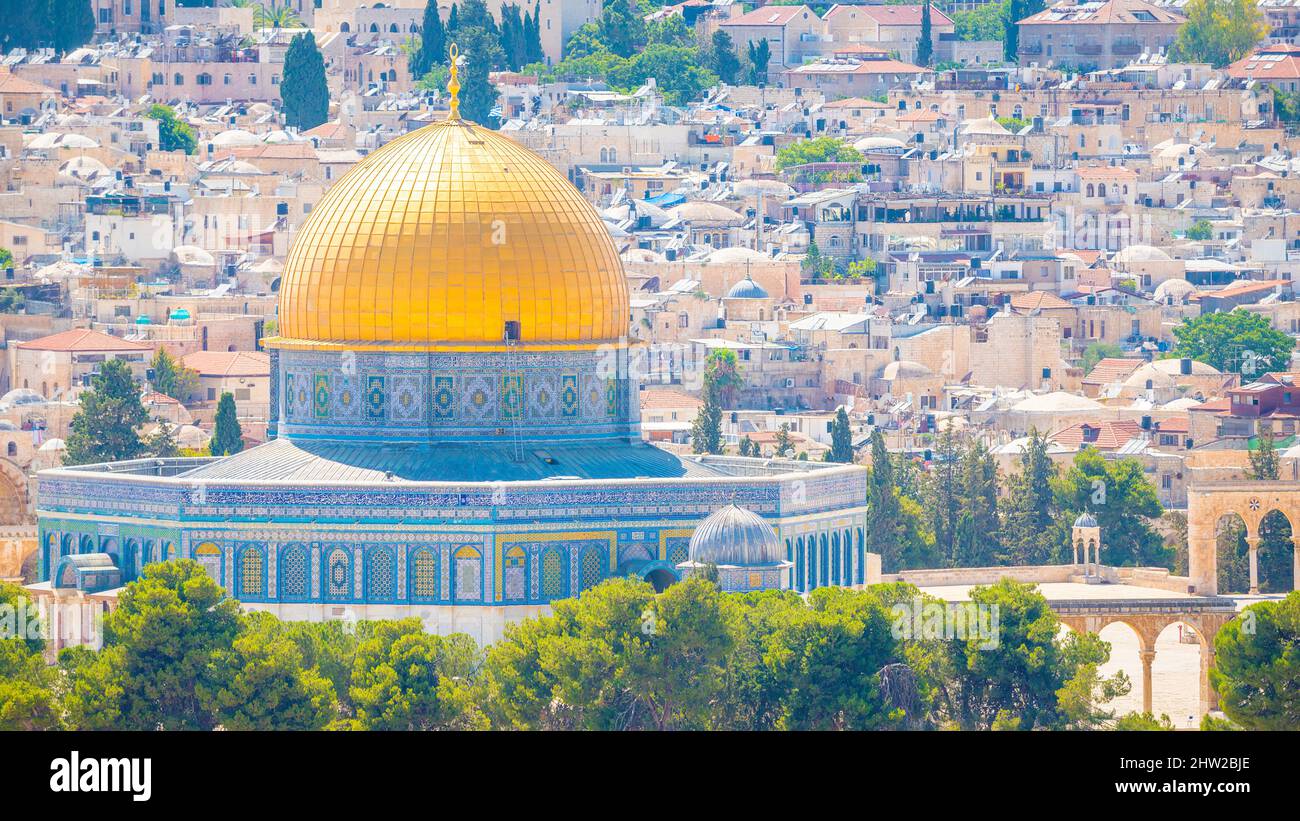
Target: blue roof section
(666, 200)
(287, 460)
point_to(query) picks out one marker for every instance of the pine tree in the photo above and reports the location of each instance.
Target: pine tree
(882, 506)
(227, 436)
(747, 447)
(783, 443)
(105, 428)
(171, 378)
(162, 442)
(304, 94)
(1264, 464)
(760, 54)
(723, 59)
(977, 522)
(941, 495)
(841, 438)
(1028, 508)
(925, 46)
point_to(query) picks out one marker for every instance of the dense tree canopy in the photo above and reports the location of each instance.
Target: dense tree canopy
(1257, 666)
(1234, 342)
(174, 134)
(820, 149)
(1219, 32)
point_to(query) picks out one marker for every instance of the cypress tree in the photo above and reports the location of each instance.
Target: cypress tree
(841, 438)
(304, 94)
(925, 46)
(433, 42)
(706, 430)
(227, 436)
(533, 37)
(478, 96)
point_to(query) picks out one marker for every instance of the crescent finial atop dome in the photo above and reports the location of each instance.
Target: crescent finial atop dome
(453, 85)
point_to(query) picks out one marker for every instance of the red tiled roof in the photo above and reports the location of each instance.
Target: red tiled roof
(1175, 424)
(1272, 63)
(667, 398)
(1111, 369)
(769, 16)
(1110, 434)
(861, 67)
(228, 363)
(901, 15)
(1127, 12)
(82, 339)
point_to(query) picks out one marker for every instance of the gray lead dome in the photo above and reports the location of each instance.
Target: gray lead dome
(733, 536)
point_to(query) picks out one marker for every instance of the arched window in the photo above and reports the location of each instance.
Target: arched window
(252, 573)
(338, 574)
(87, 545)
(294, 580)
(592, 568)
(847, 547)
(208, 555)
(467, 565)
(344, 27)
(381, 576)
(613, 154)
(800, 559)
(823, 554)
(1092, 190)
(553, 578)
(604, 155)
(392, 28)
(515, 574)
(1101, 189)
(12, 448)
(374, 28)
(835, 558)
(178, 79)
(424, 575)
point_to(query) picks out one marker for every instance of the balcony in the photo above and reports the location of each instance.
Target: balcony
(1125, 47)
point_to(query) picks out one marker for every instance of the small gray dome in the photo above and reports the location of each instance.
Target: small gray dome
(735, 536)
(1085, 519)
(747, 288)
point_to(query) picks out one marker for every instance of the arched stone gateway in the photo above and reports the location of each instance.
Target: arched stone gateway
(1252, 501)
(1148, 619)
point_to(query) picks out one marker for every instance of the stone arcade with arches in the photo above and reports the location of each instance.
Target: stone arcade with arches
(1253, 501)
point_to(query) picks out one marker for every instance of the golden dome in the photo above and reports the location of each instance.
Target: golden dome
(441, 237)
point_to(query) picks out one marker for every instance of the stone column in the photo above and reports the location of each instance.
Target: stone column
(1200, 556)
(1148, 657)
(1209, 697)
(1295, 569)
(1252, 543)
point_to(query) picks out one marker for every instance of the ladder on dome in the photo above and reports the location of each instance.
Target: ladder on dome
(511, 339)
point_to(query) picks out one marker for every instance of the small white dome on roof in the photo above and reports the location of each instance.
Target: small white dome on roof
(193, 255)
(705, 212)
(53, 445)
(235, 137)
(905, 369)
(1175, 289)
(1141, 253)
(735, 254)
(84, 168)
(21, 396)
(878, 144)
